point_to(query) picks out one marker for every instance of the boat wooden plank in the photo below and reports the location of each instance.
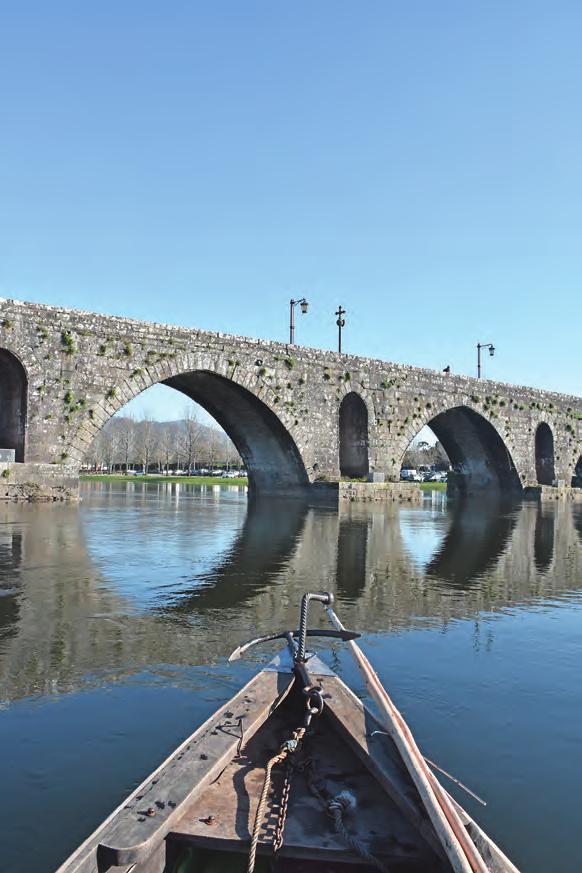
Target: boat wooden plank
(381, 756)
(356, 722)
(129, 835)
(461, 851)
(496, 860)
(206, 792)
(222, 816)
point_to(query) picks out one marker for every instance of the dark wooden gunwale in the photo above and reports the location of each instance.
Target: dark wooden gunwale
(128, 835)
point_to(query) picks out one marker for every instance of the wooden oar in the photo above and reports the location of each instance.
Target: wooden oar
(460, 849)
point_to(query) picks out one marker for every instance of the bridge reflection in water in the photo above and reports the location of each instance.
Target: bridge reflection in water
(149, 575)
(134, 599)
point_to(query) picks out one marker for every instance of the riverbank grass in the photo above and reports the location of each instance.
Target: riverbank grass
(181, 480)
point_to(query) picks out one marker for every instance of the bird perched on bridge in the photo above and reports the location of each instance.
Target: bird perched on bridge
(447, 369)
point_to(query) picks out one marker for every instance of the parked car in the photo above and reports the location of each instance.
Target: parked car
(437, 477)
(410, 475)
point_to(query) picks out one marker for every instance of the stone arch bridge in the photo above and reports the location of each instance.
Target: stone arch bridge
(297, 416)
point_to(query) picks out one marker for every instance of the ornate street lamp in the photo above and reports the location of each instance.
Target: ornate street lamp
(480, 346)
(293, 303)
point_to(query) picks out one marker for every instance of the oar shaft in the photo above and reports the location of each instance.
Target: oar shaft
(460, 849)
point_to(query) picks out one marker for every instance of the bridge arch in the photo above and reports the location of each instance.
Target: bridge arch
(354, 459)
(544, 453)
(269, 451)
(479, 456)
(13, 403)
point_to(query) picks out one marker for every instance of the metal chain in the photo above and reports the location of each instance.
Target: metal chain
(290, 746)
(313, 709)
(283, 808)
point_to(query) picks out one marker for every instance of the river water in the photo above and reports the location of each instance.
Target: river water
(116, 617)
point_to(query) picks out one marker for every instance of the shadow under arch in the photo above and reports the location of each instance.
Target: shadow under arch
(13, 400)
(273, 461)
(544, 537)
(480, 459)
(266, 542)
(352, 549)
(577, 476)
(475, 541)
(353, 437)
(10, 563)
(544, 449)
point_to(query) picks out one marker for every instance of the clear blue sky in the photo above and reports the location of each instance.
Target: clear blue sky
(200, 163)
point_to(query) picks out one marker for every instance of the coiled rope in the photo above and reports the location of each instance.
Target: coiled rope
(337, 807)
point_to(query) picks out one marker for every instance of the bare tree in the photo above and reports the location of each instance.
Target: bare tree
(126, 431)
(126, 442)
(231, 454)
(105, 448)
(146, 438)
(212, 445)
(190, 437)
(167, 445)
(109, 448)
(423, 454)
(94, 455)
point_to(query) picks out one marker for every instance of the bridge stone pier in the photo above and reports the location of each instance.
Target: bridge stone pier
(298, 416)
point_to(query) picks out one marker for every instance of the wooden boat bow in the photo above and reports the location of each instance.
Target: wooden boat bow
(205, 796)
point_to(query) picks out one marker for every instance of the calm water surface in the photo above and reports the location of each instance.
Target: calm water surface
(116, 618)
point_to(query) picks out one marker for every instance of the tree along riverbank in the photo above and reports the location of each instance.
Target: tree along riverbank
(182, 480)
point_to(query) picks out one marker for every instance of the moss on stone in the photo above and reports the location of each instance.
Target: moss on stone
(68, 343)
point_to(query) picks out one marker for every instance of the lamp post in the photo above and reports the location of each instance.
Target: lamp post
(340, 323)
(480, 346)
(293, 303)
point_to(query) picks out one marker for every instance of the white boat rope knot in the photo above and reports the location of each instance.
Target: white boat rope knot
(342, 803)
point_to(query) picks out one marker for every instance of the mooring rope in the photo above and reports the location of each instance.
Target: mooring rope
(337, 806)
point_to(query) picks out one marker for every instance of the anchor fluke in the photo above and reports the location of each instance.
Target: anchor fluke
(344, 635)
